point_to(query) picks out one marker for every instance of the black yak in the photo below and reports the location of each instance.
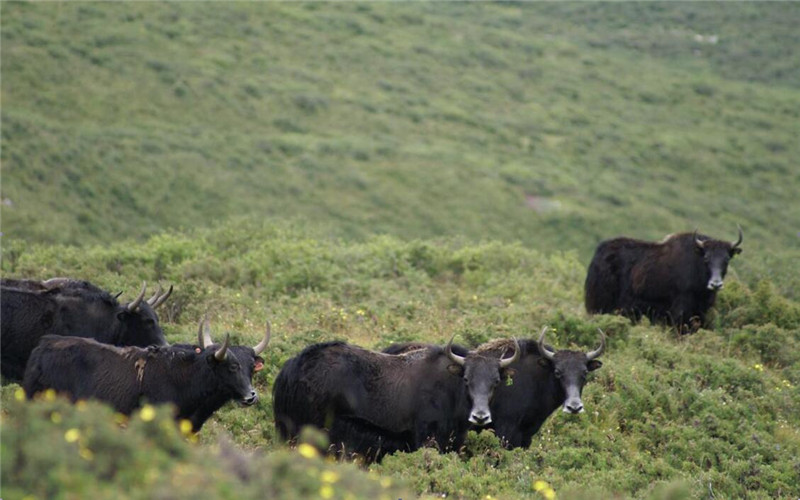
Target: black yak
(674, 281)
(31, 309)
(198, 380)
(374, 403)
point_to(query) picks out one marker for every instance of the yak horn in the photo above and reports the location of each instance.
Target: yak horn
(504, 362)
(597, 352)
(263, 344)
(449, 351)
(697, 241)
(544, 351)
(152, 300)
(138, 300)
(222, 352)
(739, 241)
(161, 299)
(55, 282)
(203, 335)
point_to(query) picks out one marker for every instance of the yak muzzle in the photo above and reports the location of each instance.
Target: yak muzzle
(251, 399)
(480, 417)
(573, 407)
(715, 284)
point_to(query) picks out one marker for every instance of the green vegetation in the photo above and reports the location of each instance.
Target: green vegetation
(719, 409)
(553, 125)
(381, 172)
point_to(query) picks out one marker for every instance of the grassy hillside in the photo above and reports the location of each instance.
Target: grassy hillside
(553, 125)
(383, 172)
(667, 416)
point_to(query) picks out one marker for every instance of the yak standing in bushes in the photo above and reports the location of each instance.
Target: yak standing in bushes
(197, 379)
(373, 403)
(542, 380)
(66, 307)
(674, 281)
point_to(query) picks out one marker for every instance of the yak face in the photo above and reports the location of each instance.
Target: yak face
(716, 254)
(570, 369)
(230, 372)
(233, 366)
(137, 320)
(140, 327)
(481, 376)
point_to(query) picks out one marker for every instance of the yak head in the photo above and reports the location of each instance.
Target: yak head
(233, 366)
(570, 369)
(481, 375)
(137, 321)
(716, 254)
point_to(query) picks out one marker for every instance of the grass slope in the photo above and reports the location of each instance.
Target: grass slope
(553, 125)
(667, 417)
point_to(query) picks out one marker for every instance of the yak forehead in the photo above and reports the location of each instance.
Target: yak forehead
(569, 362)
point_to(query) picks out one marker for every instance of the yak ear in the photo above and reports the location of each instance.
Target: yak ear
(455, 369)
(259, 363)
(735, 251)
(594, 365)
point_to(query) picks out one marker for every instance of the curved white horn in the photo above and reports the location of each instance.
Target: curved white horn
(152, 300)
(162, 298)
(449, 351)
(222, 352)
(597, 352)
(259, 348)
(203, 335)
(138, 300)
(741, 236)
(544, 351)
(517, 353)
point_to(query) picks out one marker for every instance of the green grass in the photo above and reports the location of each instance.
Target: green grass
(719, 409)
(554, 125)
(381, 172)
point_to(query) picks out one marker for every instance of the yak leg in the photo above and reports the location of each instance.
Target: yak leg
(679, 314)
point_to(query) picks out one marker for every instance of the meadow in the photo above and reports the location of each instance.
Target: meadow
(377, 173)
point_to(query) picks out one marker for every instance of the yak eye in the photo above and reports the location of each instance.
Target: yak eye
(558, 373)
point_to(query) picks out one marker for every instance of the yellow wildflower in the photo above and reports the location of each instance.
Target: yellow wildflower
(307, 450)
(72, 435)
(326, 491)
(19, 394)
(329, 476)
(540, 485)
(148, 413)
(49, 395)
(549, 493)
(185, 426)
(55, 417)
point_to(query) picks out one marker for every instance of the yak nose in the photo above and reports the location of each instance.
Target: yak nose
(251, 399)
(573, 408)
(715, 284)
(480, 417)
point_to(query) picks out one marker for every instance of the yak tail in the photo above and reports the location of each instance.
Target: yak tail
(602, 286)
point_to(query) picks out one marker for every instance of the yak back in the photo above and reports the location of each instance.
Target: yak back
(122, 376)
(332, 380)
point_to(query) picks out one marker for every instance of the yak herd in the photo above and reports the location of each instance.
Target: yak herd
(71, 336)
